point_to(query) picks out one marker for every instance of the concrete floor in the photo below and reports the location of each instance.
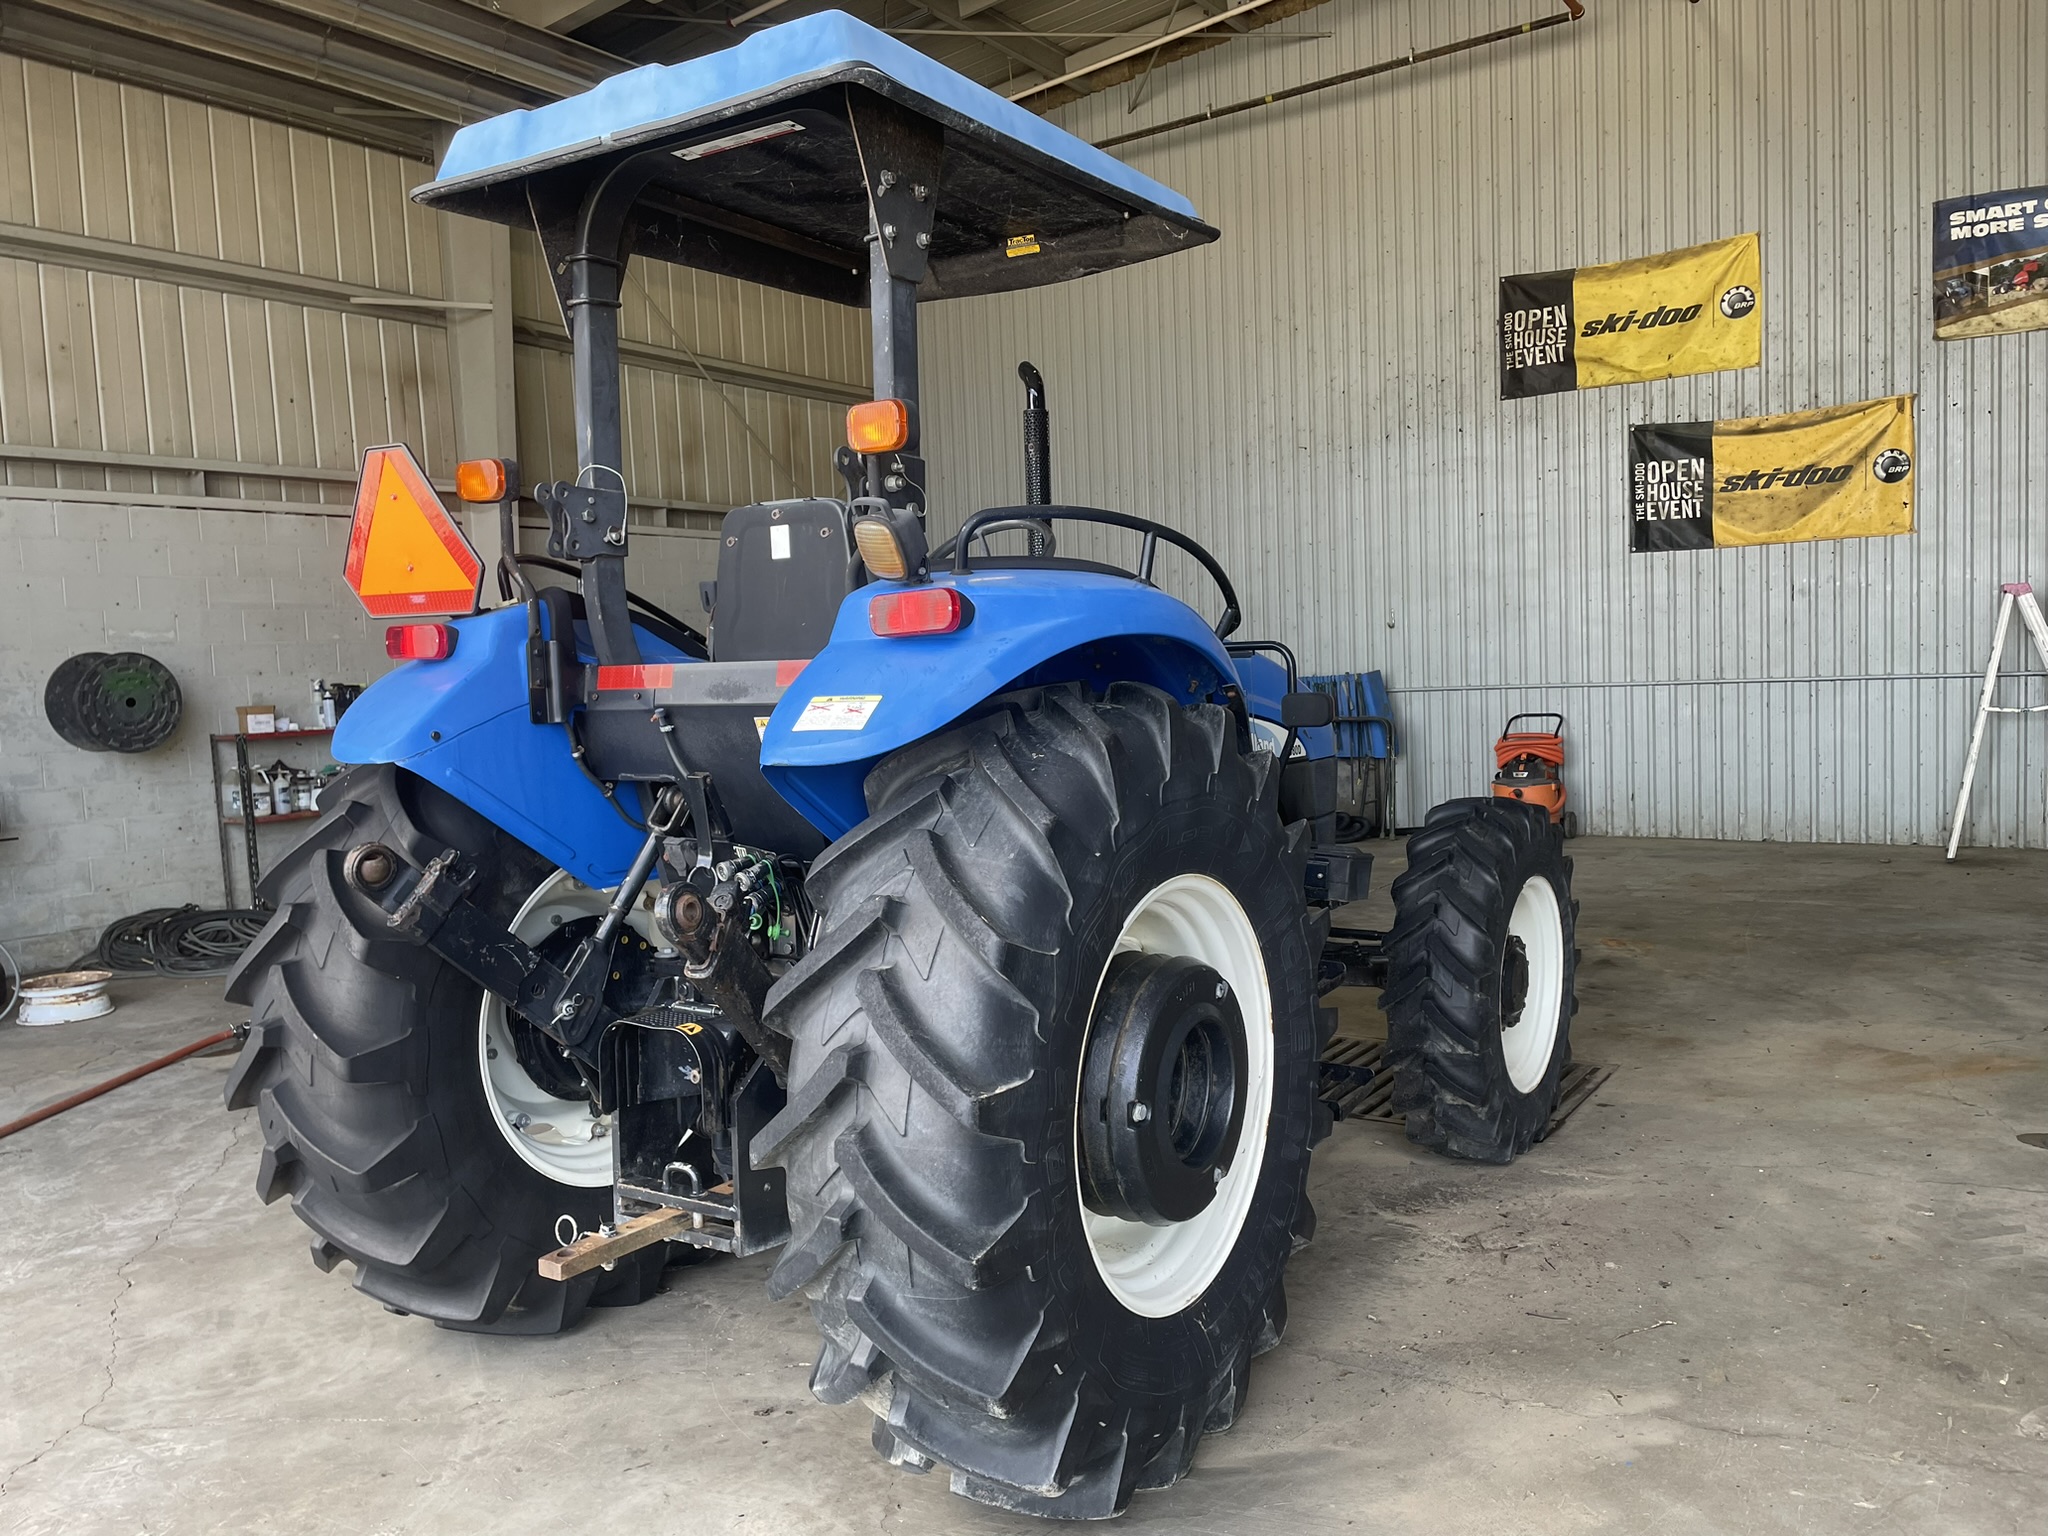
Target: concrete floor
(1787, 1273)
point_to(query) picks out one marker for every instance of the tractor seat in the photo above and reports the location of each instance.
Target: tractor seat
(784, 567)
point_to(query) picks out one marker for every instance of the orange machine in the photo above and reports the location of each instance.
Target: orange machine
(1531, 765)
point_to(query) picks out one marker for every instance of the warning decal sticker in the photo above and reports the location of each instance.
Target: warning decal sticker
(837, 712)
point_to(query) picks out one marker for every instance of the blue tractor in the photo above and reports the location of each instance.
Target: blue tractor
(953, 921)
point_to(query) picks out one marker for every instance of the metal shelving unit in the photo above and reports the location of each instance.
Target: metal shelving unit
(246, 821)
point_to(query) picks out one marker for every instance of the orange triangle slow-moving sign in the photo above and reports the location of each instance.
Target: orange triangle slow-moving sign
(406, 556)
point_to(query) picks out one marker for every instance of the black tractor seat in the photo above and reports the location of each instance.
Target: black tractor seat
(784, 567)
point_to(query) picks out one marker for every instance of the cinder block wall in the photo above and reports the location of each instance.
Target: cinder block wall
(243, 606)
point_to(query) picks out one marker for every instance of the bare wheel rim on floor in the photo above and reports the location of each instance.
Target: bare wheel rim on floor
(1157, 1271)
(565, 1139)
(1532, 984)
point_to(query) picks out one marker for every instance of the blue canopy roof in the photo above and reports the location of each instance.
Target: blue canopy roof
(645, 101)
(1002, 162)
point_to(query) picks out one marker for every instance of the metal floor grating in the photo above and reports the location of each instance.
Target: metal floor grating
(1350, 1081)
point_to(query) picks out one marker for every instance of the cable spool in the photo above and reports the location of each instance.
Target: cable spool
(119, 702)
(60, 695)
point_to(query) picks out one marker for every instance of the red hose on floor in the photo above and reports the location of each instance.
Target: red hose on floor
(111, 1084)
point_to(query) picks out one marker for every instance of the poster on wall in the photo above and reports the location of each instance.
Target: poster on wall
(1693, 311)
(1991, 263)
(1841, 473)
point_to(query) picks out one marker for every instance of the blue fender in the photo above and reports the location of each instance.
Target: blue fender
(463, 724)
(1026, 627)
(1265, 684)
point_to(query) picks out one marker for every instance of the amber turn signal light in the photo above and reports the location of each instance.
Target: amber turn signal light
(481, 480)
(877, 426)
(419, 642)
(879, 550)
(920, 611)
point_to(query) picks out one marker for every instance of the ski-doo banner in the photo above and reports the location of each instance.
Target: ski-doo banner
(1991, 264)
(1842, 473)
(1690, 311)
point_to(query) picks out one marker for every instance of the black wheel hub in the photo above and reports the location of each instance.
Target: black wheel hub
(1162, 1089)
(1514, 982)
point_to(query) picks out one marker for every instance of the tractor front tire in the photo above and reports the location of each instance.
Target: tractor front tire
(1480, 979)
(995, 1320)
(366, 1064)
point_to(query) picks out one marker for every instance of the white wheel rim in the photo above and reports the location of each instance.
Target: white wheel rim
(562, 1138)
(1158, 1271)
(1528, 1042)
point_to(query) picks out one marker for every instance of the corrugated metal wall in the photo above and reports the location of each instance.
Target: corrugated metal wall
(1316, 396)
(97, 361)
(695, 436)
(732, 394)
(204, 319)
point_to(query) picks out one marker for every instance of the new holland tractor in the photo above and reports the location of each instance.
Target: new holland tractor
(955, 922)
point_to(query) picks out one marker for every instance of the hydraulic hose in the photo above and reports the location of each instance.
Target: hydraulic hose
(84, 1095)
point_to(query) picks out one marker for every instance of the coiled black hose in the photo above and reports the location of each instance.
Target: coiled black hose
(175, 941)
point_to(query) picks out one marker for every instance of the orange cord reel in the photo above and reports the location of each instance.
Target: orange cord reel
(1531, 769)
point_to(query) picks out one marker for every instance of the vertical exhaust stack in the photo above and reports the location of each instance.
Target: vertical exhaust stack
(1037, 453)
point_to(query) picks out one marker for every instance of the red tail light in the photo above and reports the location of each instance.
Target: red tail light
(419, 642)
(918, 611)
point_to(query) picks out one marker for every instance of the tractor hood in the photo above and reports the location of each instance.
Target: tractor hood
(759, 174)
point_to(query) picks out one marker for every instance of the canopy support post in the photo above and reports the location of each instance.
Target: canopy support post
(593, 314)
(587, 251)
(900, 154)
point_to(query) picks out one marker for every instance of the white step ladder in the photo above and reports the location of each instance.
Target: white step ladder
(2016, 594)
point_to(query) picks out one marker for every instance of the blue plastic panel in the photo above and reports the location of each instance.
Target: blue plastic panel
(657, 97)
(1028, 627)
(1265, 685)
(1359, 693)
(462, 724)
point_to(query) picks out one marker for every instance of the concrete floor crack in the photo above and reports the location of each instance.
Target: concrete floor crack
(110, 1366)
(1982, 1109)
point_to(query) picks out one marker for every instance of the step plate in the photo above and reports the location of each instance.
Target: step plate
(1351, 1081)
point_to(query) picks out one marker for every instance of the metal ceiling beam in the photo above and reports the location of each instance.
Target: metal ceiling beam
(554, 15)
(1100, 67)
(1044, 58)
(156, 65)
(661, 31)
(470, 37)
(1217, 7)
(299, 48)
(1137, 44)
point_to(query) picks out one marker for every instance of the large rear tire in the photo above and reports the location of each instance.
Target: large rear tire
(378, 1074)
(1053, 1357)
(1480, 979)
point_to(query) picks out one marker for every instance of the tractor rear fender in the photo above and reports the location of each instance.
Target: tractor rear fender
(865, 696)
(463, 724)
